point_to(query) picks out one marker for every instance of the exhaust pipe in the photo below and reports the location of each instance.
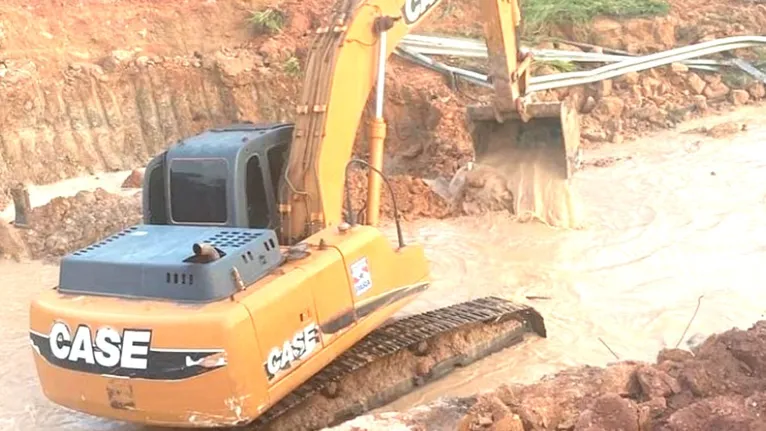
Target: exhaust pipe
(206, 252)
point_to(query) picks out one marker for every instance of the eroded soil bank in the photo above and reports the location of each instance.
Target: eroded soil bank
(720, 385)
(93, 85)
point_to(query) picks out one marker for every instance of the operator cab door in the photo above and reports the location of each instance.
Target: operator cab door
(263, 171)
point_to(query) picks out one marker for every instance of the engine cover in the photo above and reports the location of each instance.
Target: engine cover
(156, 262)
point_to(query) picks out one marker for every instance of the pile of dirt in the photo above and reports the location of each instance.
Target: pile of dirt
(67, 224)
(719, 385)
(412, 196)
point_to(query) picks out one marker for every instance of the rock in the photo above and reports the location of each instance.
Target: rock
(633, 48)
(122, 55)
(134, 181)
(655, 383)
(757, 90)
(276, 50)
(716, 90)
(85, 198)
(487, 410)
(744, 346)
(720, 413)
(712, 79)
(101, 194)
(678, 81)
(609, 412)
(665, 31)
(588, 105)
(723, 130)
(620, 379)
(57, 244)
(650, 86)
(675, 355)
(630, 78)
(594, 135)
(609, 106)
(545, 406)
(646, 112)
(604, 88)
(700, 102)
(508, 423)
(575, 97)
(739, 97)
(486, 191)
(696, 83)
(142, 61)
(650, 411)
(484, 420)
(679, 67)
(608, 31)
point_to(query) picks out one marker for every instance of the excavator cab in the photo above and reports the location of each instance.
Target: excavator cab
(223, 177)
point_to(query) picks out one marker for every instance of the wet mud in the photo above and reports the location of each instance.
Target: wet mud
(666, 224)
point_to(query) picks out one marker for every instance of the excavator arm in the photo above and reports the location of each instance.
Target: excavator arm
(346, 60)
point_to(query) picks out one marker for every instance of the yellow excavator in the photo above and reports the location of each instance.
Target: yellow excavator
(250, 295)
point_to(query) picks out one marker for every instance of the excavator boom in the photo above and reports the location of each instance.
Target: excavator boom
(347, 59)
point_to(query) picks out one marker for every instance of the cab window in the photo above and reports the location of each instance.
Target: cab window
(198, 191)
(277, 156)
(255, 188)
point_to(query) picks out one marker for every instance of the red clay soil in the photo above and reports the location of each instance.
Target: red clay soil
(719, 386)
(67, 224)
(139, 75)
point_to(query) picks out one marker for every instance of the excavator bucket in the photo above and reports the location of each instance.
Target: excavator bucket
(536, 152)
(548, 140)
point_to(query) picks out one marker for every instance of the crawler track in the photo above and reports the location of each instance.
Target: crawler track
(505, 321)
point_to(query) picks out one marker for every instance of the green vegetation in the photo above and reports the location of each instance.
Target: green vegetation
(537, 14)
(268, 20)
(292, 67)
(560, 65)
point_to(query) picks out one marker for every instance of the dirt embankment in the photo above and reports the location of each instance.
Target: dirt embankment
(67, 224)
(92, 85)
(721, 385)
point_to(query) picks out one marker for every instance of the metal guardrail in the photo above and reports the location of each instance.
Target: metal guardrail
(412, 45)
(475, 48)
(454, 72)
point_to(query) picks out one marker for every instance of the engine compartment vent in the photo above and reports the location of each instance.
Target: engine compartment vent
(152, 261)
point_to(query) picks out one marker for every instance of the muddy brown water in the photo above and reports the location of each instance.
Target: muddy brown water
(682, 218)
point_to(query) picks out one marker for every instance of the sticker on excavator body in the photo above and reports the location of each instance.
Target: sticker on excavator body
(360, 273)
